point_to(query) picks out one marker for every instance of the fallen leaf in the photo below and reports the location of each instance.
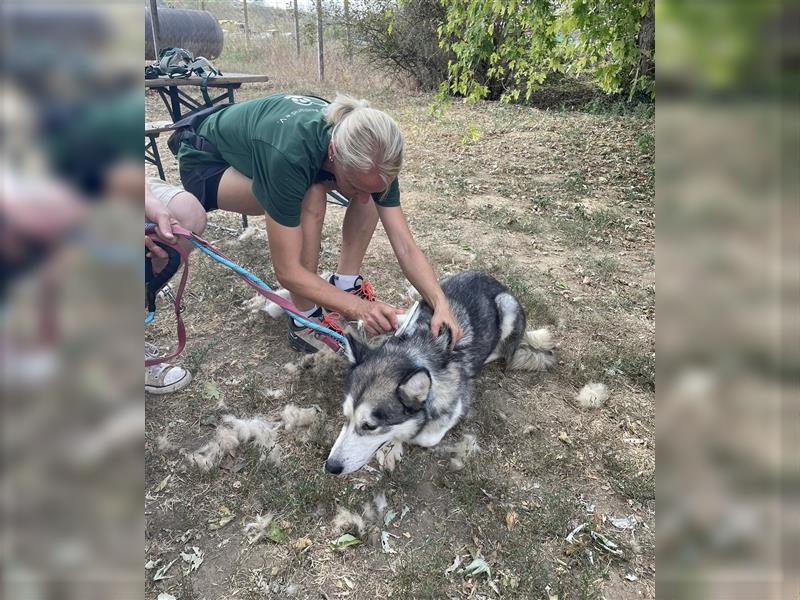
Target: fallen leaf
(211, 391)
(624, 522)
(195, 559)
(389, 517)
(163, 484)
(565, 438)
(511, 519)
(209, 420)
(478, 566)
(276, 534)
(152, 564)
(454, 566)
(166, 596)
(162, 572)
(348, 583)
(344, 541)
(387, 549)
(302, 543)
(213, 525)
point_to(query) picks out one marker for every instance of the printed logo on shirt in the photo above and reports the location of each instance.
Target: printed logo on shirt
(306, 101)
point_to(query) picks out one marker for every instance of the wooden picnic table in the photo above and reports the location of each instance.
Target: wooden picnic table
(175, 96)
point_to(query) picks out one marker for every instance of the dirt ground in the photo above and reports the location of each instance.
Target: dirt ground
(557, 204)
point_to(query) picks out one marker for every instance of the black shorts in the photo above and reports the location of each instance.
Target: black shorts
(203, 182)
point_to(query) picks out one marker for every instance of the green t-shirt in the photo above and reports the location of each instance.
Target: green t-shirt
(280, 142)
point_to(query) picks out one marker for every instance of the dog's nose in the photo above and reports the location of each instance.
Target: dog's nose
(333, 468)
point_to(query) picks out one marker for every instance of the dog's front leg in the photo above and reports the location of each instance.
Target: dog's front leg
(389, 455)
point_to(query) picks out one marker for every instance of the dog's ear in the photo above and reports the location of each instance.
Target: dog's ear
(356, 348)
(445, 335)
(413, 391)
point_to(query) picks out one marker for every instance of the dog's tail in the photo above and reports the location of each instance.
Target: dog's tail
(535, 352)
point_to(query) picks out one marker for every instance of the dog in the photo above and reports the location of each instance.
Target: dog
(411, 388)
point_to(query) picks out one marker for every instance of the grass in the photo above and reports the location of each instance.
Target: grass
(604, 266)
(420, 573)
(633, 360)
(195, 358)
(538, 309)
(506, 219)
(629, 479)
(583, 226)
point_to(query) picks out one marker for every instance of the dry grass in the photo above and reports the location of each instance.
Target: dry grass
(559, 205)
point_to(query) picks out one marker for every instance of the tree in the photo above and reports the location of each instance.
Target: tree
(506, 49)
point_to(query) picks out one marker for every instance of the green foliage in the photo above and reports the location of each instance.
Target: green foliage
(506, 49)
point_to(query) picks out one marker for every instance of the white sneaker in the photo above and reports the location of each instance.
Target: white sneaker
(163, 378)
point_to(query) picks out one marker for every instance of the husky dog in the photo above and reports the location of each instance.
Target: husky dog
(411, 388)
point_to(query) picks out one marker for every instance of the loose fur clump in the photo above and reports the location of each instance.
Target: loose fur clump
(466, 448)
(460, 451)
(232, 432)
(365, 526)
(274, 310)
(346, 521)
(592, 395)
(164, 444)
(249, 233)
(535, 352)
(294, 417)
(321, 365)
(258, 529)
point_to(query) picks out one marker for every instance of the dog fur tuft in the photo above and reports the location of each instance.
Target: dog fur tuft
(535, 352)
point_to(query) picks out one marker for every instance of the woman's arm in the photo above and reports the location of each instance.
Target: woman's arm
(285, 244)
(417, 269)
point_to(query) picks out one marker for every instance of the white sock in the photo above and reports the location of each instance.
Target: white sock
(344, 282)
(306, 313)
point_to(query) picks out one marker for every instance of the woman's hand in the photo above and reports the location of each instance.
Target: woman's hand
(443, 316)
(378, 318)
(157, 213)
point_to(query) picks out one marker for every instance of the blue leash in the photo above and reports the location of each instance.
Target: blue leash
(254, 280)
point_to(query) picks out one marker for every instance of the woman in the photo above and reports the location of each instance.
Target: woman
(279, 156)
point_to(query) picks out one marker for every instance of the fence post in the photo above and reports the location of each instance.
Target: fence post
(156, 26)
(348, 41)
(320, 53)
(246, 27)
(296, 28)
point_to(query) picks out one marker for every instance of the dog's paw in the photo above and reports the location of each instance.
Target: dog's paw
(389, 456)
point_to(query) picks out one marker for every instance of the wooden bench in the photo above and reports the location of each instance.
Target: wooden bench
(152, 131)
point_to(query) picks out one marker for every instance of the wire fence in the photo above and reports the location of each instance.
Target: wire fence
(260, 37)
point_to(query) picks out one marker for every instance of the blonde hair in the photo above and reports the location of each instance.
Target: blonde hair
(365, 138)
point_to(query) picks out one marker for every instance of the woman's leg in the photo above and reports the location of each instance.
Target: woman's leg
(359, 225)
(312, 217)
(235, 194)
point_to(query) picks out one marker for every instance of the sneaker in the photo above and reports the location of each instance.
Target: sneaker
(305, 339)
(163, 378)
(362, 288)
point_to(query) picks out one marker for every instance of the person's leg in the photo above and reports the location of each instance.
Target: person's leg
(188, 211)
(184, 207)
(360, 221)
(235, 194)
(312, 217)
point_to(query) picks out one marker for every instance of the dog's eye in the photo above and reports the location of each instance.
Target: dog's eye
(368, 427)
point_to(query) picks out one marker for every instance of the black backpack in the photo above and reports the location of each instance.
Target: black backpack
(180, 63)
